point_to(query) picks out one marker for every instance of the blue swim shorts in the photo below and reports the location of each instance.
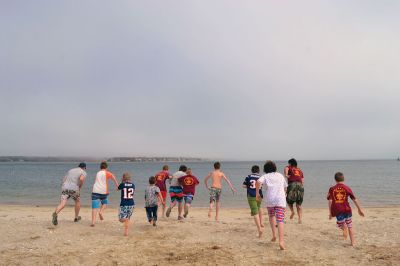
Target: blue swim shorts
(98, 200)
(188, 198)
(125, 212)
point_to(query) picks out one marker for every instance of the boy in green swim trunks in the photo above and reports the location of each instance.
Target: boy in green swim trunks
(250, 183)
(215, 191)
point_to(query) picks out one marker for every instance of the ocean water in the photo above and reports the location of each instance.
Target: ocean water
(375, 182)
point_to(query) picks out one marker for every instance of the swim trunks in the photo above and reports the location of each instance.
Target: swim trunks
(98, 200)
(68, 193)
(344, 218)
(164, 194)
(295, 193)
(125, 212)
(215, 194)
(176, 194)
(254, 205)
(188, 198)
(278, 212)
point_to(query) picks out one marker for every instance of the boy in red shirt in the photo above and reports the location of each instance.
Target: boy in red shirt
(340, 208)
(161, 178)
(189, 183)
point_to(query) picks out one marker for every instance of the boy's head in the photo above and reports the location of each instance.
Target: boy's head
(189, 171)
(339, 177)
(269, 167)
(292, 162)
(217, 165)
(103, 165)
(152, 180)
(255, 169)
(183, 168)
(126, 177)
(165, 168)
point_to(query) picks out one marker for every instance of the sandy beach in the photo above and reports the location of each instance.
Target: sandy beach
(29, 238)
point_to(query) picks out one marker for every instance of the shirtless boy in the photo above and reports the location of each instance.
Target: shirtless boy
(215, 191)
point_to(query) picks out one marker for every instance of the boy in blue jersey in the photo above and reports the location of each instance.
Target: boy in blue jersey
(127, 204)
(256, 212)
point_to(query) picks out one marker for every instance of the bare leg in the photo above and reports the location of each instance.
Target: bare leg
(258, 224)
(292, 211)
(260, 214)
(272, 223)
(60, 206)
(352, 239)
(211, 208)
(299, 213)
(172, 204)
(186, 210)
(77, 207)
(126, 227)
(345, 232)
(281, 240)
(94, 216)
(103, 206)
(217, 204)
(163, 209)
(180, 209)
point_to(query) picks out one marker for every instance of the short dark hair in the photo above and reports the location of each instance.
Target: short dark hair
(82, 165)
(339, 177)
(269, 167)
(152, 180)
(255, 169)
(103, 165)
(165, 168)
(293, 162)
(183, 168)
(217, 165)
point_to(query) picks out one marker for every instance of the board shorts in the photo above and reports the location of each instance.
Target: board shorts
(125, 212)
(176, 194)
(188, 198)
(254, 205)
(163, 194)
(295, 193)
(68, 193)
(215, 194)
(98, 200)
(278, 212)
(344, 218)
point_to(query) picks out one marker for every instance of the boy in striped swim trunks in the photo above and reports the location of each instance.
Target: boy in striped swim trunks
(339, 206)
(274, 185)
(215, 191)
(176, 192)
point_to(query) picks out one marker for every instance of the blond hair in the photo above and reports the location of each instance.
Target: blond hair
(126, 177)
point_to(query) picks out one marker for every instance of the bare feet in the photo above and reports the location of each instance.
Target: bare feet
(282, 245)
(291, 215)
(300, 221)
(101, 216)
(273, 239)
(92, 225)
(209, 213)
(260, 233)
(262, 225)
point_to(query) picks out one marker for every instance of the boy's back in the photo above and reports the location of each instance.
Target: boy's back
(339, 194)
(216, 177)
(127, 191)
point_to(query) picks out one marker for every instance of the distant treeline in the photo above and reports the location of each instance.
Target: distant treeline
(86, 159)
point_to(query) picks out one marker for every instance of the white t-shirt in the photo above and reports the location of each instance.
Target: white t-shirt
(72, 179)
(174, 182)
(274, 185)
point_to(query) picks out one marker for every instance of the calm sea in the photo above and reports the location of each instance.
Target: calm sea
(375, 183)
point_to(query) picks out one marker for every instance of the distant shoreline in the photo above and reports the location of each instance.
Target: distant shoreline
(139, 159)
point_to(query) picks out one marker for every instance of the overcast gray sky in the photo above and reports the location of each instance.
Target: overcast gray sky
(217, 79)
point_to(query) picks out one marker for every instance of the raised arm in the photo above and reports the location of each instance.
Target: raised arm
(206, 180)
(229, 183)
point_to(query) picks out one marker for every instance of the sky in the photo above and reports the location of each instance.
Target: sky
(233, 80)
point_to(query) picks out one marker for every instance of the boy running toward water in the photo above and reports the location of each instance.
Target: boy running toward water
(295, 190)
(153, 197)
(274, 185)
(127, 204)
(189, 183)
(339, 206)
(175, 191)
(161, 178)
(256, 212)
(215, 191)
(100, 191)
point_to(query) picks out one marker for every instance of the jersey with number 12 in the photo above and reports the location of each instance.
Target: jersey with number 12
(127, 191)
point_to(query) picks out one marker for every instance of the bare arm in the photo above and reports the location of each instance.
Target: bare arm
(229, 183)
(258, 186)
(360, 211)
(115, 181)
(81, 181)
(330, 206)
(160, 198)
(206, 180)
(286, 171)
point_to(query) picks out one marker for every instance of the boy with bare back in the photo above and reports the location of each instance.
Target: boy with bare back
(216, 188)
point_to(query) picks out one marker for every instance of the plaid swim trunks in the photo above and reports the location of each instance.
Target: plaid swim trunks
(67, 193)
(125, 212)
(278, 212)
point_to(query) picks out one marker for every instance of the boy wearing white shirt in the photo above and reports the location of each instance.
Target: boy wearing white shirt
(274, 185)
